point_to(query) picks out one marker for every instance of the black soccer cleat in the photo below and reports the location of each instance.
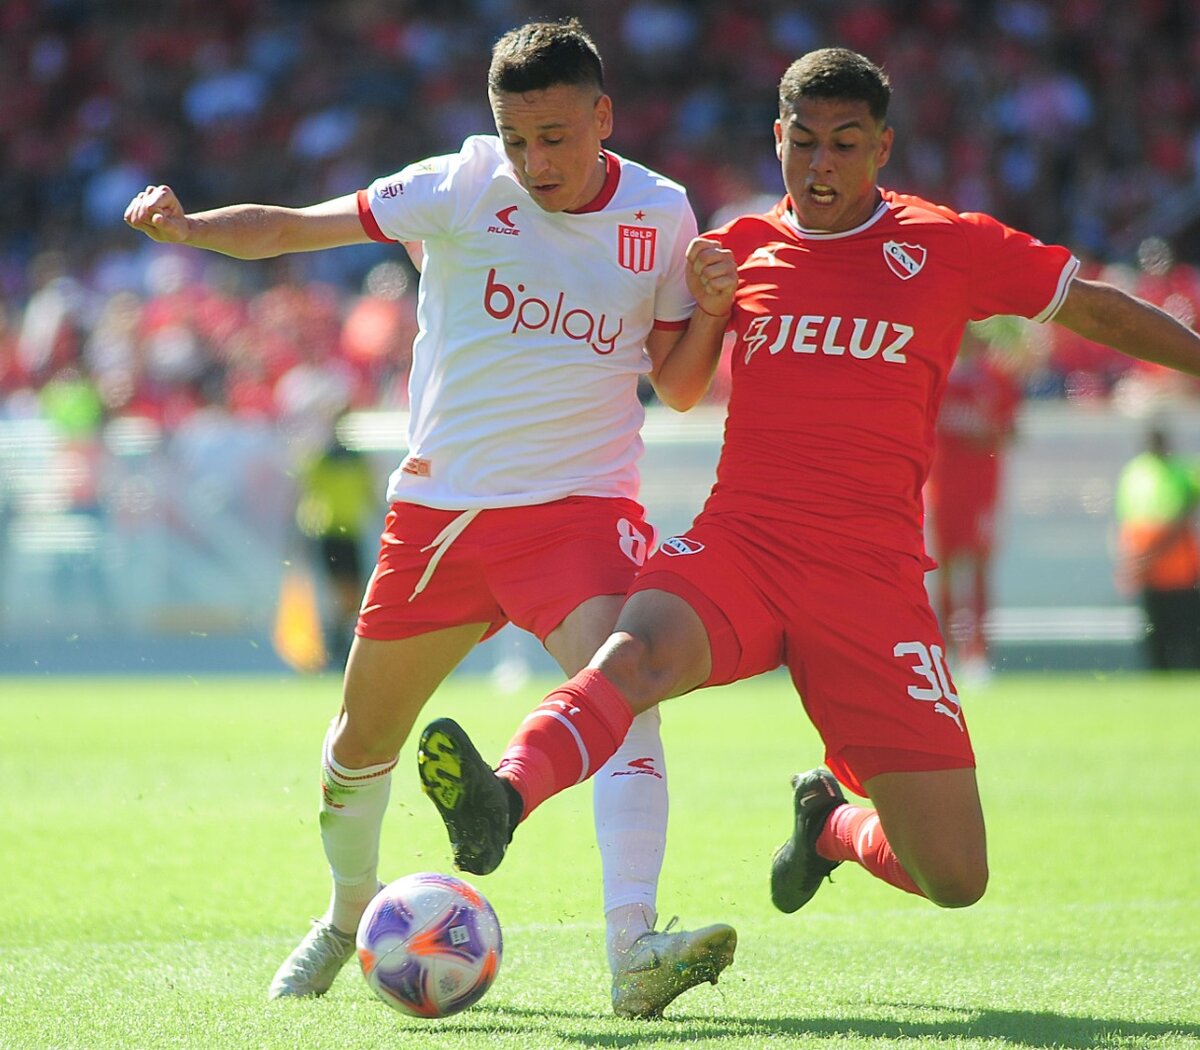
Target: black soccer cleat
(478, 808)
(797, 869)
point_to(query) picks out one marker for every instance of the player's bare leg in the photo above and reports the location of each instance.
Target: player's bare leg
(924, 836)
(575, 641)
(386, 685)
(659, 649)
(934, 824)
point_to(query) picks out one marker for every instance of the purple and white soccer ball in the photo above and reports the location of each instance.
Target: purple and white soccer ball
(429, 944)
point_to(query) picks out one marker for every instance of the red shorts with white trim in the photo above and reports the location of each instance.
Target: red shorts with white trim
(530, 566)
(852, 625)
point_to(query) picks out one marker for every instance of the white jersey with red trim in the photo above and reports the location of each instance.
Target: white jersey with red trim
(532, 326)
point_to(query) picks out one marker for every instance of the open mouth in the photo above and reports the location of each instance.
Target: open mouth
(821, 194)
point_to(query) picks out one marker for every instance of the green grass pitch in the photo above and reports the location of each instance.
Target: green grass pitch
(160, 856)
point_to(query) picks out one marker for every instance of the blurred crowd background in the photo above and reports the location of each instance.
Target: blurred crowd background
(1078, 120)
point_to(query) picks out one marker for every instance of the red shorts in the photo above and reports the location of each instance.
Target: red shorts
(527, 565)
(853, 626)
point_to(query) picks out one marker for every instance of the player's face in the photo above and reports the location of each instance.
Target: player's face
(552, 139)
(831, 152)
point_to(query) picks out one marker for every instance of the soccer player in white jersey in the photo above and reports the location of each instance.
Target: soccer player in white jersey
(553, 278)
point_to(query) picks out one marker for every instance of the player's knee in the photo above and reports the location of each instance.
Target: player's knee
(643, 672)
(957, 887)
(356, 747)
(627, 661)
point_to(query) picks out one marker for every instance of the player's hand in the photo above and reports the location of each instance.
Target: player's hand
(156, 211)
(711, 276)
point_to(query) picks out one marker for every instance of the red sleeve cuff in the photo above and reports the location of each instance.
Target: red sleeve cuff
(368, 220)
(670, 326)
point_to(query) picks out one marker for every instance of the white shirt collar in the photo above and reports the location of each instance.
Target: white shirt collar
(790, 219)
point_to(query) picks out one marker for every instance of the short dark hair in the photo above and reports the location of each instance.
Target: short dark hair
(836, 74)
(540, 55)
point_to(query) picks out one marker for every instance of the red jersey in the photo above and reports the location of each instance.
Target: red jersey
(844, 342)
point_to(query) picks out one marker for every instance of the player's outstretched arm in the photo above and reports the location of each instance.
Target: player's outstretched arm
(247, 231)
(1105, 314)
(684, 365)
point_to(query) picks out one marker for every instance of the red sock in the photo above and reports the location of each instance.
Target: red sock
(853, 833)
(564, 740)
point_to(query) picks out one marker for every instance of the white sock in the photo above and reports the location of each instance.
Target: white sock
(353, 802)
(629, 802)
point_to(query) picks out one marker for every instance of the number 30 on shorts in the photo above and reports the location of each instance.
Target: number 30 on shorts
(929, 663)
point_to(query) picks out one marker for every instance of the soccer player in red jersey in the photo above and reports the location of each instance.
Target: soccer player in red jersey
(848, 302)
(974, 427)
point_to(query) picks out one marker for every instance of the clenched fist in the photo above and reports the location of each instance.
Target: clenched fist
(711, 276)
(156, 211)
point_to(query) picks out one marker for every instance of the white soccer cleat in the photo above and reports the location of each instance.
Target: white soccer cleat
(662, 965)
(317, 960)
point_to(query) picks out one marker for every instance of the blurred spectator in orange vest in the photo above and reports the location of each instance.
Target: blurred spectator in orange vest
(1156, 498)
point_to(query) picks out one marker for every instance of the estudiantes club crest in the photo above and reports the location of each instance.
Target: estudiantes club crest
(635, 247)
(904, 260)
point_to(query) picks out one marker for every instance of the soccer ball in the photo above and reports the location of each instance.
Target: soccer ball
(429, 945)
